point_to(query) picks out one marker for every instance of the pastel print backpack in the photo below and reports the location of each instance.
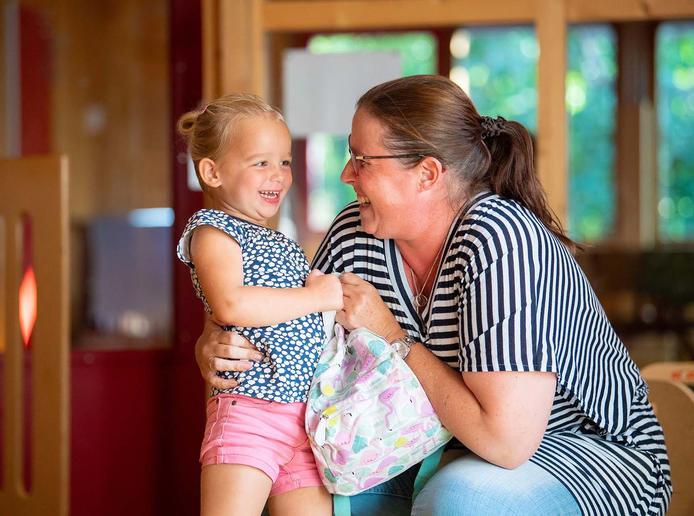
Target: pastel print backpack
(367, 416)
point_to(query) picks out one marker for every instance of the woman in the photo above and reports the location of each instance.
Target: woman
(451, 244)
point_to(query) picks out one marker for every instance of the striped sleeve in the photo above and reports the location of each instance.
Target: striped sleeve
(336, 252)
(499, 325)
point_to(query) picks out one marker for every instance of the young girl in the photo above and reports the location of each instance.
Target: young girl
(251, 279)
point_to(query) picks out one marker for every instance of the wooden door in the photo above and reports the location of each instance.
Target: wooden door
(33, 191)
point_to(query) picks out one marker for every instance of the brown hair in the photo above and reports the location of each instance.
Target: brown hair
(430, 115)
(208, 130)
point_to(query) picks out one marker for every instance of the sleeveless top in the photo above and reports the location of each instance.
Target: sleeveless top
(290, 349)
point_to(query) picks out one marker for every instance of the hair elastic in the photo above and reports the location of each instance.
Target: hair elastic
(492, 127)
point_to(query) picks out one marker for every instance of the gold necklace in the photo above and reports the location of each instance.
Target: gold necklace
(420, 299)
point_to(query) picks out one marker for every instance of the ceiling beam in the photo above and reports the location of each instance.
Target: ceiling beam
(343, 15)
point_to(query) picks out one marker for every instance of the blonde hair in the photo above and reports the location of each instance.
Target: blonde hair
(208, 129)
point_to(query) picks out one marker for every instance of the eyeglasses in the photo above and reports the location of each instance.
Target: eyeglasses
(358, 159)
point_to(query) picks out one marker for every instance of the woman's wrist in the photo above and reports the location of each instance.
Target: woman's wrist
(394, 333)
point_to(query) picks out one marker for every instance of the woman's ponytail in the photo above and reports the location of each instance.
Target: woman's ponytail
(511, 171)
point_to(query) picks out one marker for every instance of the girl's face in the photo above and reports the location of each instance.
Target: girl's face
(385, 188)
(255, 172)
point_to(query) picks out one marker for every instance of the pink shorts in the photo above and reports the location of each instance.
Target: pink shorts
(263, 434)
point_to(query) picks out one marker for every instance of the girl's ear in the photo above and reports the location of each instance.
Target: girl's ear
(431, 171)
(208, 173)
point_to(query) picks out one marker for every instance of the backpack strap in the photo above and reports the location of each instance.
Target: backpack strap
(341, 505)
(427, 470)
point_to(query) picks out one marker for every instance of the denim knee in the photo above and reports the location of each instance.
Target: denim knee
(473, 486)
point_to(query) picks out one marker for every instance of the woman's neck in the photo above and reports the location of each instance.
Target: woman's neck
(426, 246)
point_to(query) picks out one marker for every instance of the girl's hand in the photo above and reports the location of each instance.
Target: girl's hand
(212, 349)
(327, 288)
(363, 307)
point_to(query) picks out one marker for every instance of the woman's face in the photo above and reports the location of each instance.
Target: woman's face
(385, 188)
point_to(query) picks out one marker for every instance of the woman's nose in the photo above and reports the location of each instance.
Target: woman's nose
(348, 176)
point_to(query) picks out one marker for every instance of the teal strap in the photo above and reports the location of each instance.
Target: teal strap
(341, 506)
(427, 470)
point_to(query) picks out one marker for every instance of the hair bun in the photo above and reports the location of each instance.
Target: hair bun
(186, 124)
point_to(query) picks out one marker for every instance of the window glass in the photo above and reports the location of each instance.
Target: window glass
(326, 153)
(497, 66)
(675, 106)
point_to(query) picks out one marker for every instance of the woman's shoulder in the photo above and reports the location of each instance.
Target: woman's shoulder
(348, 220)
(348, 213)
(492, 221)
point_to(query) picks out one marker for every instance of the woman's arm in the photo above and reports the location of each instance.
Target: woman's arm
(500, 416)
(219, 350)
(219, 267)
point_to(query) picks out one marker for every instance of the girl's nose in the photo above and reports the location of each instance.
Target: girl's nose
(277, 174)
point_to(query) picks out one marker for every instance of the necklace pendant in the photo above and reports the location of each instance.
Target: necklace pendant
(420, 300)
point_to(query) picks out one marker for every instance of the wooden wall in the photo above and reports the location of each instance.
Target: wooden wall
(3, 87)
(110, 100)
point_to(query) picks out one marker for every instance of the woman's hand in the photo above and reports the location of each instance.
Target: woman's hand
(363, 307)
(212, 349)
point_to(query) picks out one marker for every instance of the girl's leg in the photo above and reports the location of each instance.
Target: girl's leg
(307, 501)
(470, 485)
(232, 489)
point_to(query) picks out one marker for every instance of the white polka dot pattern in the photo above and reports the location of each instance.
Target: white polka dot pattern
(291, 349)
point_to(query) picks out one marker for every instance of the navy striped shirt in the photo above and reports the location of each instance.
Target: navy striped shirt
(509, 296)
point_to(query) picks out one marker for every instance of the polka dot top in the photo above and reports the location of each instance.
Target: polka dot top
(291, 349)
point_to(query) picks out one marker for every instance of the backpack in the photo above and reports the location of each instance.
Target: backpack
(367, 416)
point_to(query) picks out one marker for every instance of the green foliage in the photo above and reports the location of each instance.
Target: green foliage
(417, 49)
(501, 64)
(591, 105)
(675, 101)
(327, 155)
(497, 67)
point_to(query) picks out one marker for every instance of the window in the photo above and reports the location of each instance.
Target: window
(327, 154)
(497, 66)
(675, 106)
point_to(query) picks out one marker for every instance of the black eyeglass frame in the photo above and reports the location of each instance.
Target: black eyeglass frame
(357, 157)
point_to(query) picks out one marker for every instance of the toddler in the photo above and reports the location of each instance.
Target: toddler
(255, 281)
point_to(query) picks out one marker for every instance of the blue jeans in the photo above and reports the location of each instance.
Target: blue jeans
(470, 485)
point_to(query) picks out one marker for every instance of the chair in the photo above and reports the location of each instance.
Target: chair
(673, 402)
(675, 371)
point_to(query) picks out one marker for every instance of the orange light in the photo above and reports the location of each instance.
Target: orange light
(27, 305)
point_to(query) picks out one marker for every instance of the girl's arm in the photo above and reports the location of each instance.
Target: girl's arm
(219, 267)
(500, 416)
